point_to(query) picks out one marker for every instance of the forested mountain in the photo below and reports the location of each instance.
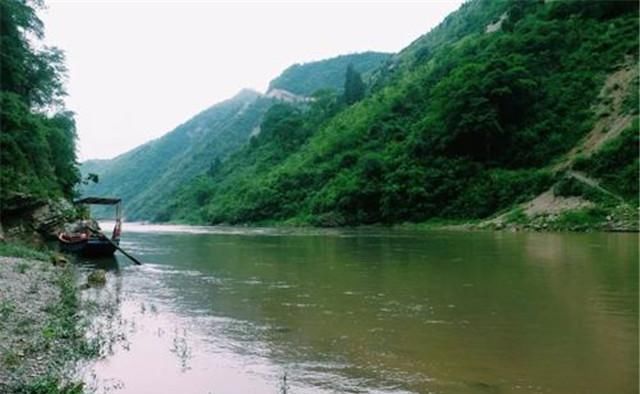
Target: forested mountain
(473, 17)
(37, 134)
(147, 177)
(502, 102)
(305, 79)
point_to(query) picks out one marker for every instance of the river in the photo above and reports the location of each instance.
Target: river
(250, 310)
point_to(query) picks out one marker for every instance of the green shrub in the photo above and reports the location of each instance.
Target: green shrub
(517, 216)
(570, 187)
(581, 219)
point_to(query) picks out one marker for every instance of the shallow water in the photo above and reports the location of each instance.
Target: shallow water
(244, 310)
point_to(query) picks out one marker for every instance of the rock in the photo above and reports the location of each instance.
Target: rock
(97, 278)
(59, 260)
(49, 219)
(25, 215)
(36, 241)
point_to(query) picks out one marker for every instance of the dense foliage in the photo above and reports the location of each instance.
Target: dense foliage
(306, 79)
(354, 87)
(147, 176)
(461, 124)
(284, 130)
(37, 135)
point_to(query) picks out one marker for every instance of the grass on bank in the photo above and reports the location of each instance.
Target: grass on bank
(63, 331)
(14, 249)
(49, 385)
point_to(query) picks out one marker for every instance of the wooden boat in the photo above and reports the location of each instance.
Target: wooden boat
(86, 238)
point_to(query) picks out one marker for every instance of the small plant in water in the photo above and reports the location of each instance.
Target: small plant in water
(284, 386)
(182, 350)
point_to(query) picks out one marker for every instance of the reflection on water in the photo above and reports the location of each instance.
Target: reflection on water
(234, 310)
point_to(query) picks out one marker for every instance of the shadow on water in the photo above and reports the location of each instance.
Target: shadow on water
(107, 263)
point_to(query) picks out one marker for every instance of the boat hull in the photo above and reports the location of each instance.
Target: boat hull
(89, 248)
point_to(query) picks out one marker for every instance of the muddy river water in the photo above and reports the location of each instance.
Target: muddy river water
(246, 310)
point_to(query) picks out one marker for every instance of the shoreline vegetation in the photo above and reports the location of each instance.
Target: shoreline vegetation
(579, 220)
(42, 333)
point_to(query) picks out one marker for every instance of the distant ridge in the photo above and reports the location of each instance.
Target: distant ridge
(147, 176)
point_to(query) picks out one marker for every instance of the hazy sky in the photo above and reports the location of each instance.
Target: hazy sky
(139, 69)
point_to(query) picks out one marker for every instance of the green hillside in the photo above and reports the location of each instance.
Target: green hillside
(472, 17)
(472, 119)
(147, 175)
(305, 79)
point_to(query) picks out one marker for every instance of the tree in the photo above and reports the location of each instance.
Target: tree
(37, 135)
(353, 86)
(91, 178)
(214, 167)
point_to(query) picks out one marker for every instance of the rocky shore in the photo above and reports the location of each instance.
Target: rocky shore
(40, 331)
(27, 289)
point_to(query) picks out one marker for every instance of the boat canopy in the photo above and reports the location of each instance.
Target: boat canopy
(98, 200)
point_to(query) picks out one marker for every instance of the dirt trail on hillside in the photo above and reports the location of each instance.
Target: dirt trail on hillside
(611, 122)
(611, 117)
(594, 183)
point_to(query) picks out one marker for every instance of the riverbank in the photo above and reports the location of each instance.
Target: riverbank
(588, 218)
(41, 332)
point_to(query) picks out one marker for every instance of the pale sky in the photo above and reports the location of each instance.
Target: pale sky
(138, 69)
